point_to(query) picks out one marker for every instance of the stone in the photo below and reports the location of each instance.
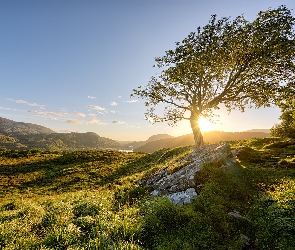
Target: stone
(246, 239)
(236, 214)
(184, 197)
(176, 184)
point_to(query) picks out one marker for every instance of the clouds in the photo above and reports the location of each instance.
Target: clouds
(80, 115)
(62, 115)
(86, 115)
(118, 122)
(49, 113)
(97, 122)
(132, 101)
(96, 107)
(92, 122)
(26, 103)
(75, 122)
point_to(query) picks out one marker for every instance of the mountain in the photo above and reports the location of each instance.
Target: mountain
(10, 127)
(209, 137)
(67, 141)
(157, 137)
(150, 147)
(218, 136)
(20, 135)
(265, 130)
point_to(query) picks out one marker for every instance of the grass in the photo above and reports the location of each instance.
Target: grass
(90, 200)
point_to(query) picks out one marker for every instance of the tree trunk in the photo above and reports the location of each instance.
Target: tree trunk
(198, 137)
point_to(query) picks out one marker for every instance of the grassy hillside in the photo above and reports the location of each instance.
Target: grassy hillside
(57, 141)
(90, 200)
(186, 140)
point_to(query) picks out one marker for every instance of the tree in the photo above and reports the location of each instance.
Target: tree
(287, 126)
(236, 63)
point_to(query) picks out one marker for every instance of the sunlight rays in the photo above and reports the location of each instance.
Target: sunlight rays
(205, 125)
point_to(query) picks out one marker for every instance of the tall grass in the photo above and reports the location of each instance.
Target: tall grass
(90, 200)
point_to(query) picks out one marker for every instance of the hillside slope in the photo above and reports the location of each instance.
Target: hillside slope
(137, 144)
(90, 200)
(209, 137)
(10, 127)
(20, 135)
(150, 147)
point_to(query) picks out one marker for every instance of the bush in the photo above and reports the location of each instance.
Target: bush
(128, 195)
(160, 217)
(85, 224)
(86, 208)
(207, 172)
(273, 217)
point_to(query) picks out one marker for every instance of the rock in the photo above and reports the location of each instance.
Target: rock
(182, 180)
(181, 198)
(236, 214)
(155, 177)
(237, 151)
(246, 239)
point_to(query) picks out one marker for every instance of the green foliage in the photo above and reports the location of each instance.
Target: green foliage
(130, 194)
(161, 217)
(287, 126)
(90, 200)
(15, 135)
(85, 209)
(232, 62)
(205, 223)
(207, 172)
(274, 216)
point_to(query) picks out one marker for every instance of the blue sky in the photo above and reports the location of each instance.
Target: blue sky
(71, 65)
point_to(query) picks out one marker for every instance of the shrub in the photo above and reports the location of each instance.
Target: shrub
(86, 208)
(128, 195)
(273, 217)
(86, 223)
(160, 217)
(8, 206)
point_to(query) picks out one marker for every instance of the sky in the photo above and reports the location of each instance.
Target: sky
(71, 65)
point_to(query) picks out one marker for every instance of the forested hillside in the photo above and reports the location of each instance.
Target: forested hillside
(20, 135)
(9, 127)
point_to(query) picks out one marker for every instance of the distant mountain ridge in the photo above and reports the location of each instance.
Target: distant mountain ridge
(209, 137)
(21, 135)
(10, 127)
(137, 144)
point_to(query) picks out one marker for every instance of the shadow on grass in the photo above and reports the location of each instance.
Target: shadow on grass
(271, 174)
(71, 171)
(266, 167)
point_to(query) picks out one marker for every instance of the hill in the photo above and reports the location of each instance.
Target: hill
(150, 147)
(137, 144)
(10, 127)
(58, 141)
(20, 135)
(90, 200)
(209, 137)
(218, 136)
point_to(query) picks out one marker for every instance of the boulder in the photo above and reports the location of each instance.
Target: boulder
(176, 185)
(181, 198)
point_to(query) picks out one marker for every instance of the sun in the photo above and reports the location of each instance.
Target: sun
(205, 125)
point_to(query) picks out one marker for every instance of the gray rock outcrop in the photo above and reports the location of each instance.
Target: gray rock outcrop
(179, 186)
(181, 198)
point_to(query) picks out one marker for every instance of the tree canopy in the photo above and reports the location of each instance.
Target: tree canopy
(287, 126)
(232, 62)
